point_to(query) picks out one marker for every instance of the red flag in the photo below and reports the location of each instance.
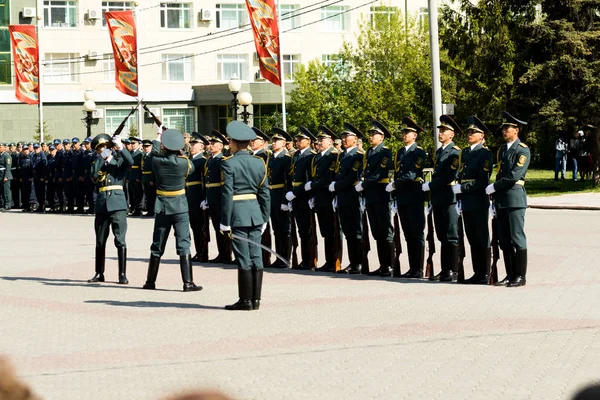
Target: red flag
(266, 37)
(121, 28)
(27, 63)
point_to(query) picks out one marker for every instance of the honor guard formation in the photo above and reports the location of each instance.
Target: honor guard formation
(252, 187)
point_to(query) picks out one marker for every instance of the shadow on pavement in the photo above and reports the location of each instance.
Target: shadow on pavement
(151, 304)
(73, 282)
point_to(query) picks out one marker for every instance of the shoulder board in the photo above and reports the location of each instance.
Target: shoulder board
(420, 148)
(361, 152)
(335, 151)
(522, 144)
(182, 157)
(456, 148)
(288, 155)
(225, 158)
(385, 147)
(487, 148)
(313, 152)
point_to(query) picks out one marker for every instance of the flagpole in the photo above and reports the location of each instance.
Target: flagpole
(281, 78)
(40, 104)
(137, 57)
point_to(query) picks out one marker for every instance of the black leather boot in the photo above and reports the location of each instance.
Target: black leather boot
(357, 250)
(285, 250)
(384, 258)
(352, 254)
(257, 278)
(329, 265)
(486, 269)
(306, 263)
(152, 272)
(122, 256)
(450, 274)
(185, 263)
(416, 258)
(100, 259)
(245, 288)
(475, 260)
(509, 264)
(520, 267)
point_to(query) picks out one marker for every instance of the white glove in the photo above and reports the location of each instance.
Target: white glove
(204, 205)
(490, 189)
(332, 186)
(289, 196)
(290, 208)
(159, 130)
(389, 187)
(224, 228)
(106, 153)
(458, 207)
(359, 187)
(263, 228)
(456, 189)
(425, 187)
(307, 186)
(334, 203)
(394, 207)
(311, 203)
(284, 207)
(363, 205)
(429, 208)
(117, 141)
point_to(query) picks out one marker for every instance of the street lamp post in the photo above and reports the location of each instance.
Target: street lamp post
(88, 107)
(245, 101)
(234, 87)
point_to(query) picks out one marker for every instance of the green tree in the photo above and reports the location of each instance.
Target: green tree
(47, 136)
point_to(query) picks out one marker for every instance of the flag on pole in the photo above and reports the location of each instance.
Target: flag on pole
(121, 28)
(263, 17)
(27, 63)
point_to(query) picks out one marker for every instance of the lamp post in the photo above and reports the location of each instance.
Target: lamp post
(88, 107)
(234, 87)
(245, 101)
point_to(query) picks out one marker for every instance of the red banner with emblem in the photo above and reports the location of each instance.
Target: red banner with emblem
(123, 36)
(27, 63)
(263, 17)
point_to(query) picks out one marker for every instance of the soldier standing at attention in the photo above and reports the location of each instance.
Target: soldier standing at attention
(245, 212)
(170, 170)
(51, 179)
(147, 178)
(14, 184)
(5, 178)
(511, 201)
(258, 149)
(108, 173)
(135, 178)
(194, 190)
(60, 173)
(89, 157)
(78, 175)
(68, 175)
(40, 163)
(26, 176)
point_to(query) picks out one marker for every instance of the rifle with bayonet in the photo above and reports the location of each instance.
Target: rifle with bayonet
(462, 252)
(122, 125)
(429, 270)
(205, 238)
(266, 240)
(366, 242)
(154, 117)
(495, 247)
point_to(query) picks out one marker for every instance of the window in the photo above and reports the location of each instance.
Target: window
(61, 67)
(264, 111)
(231, 16)
(4, 13)
(330, 59)
(225, 117)
(382, 16)
(108, 69)
(229, 65)
(336, 18)
(177, 67)
(113, 118)
(288, 17)
(291, 62)
(60, 14)
(181, 119)
(5, 57)
(175, 15)
(114, 6)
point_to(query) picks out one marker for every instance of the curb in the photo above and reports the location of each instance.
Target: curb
(565, 207)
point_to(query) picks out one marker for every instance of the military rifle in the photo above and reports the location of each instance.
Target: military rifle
(122, 125)
(397, 246)
(206, 237)
(495, 249)
(294, 242)
(366, 242)
(154, 117)
(266, 240)
(429, 270)
(337, 242)
(462, 252)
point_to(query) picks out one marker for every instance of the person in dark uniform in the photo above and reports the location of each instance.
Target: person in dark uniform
(406, 187)
(147, 178)
(60, 174)
(78, 163)
(194, 190)
(51, 179)
(377, 164)
(5, 178)
(26, 176)
(511, 201)
(279, 184)
(170, 170)
(14, 184)
(245, 212)
(348, 172)
(323, 167)
(127, 145)
(40, 163)
(135, 178)
(473, 178)
(108, 173)
(299, 173)
(68, 175)
(89, 158)
(258, 149)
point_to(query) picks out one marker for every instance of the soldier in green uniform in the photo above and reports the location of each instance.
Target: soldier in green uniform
(245, 212)
(171, 169)
(147, 178)
(443, 199)
(135, 178)
(473, 178)
(194, 190)
(376, 166)
(108, 173)
(511, 201)
(408, 177)
(348, 172)
(5, 178)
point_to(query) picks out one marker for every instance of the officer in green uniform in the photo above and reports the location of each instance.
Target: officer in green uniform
(376, 166)
(171, 208)
(194, 190)
(510, 199)
(245, 212)
(108, 173)
(5, 178)
(147, 178)
(135, 178)
(408, 177)
(473, 178)
(347, 200)
(443, 199)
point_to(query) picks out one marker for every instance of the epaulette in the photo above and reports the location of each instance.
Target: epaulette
(335, 151)
(225, 158)
(487, 148)
(288, 155)
(456, 148)
(385, 147)
(420, 148)
(313, 152)
(522, 144)
(180, 156)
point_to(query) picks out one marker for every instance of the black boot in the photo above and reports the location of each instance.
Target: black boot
(481, 258)
(122, 256)
(257, 278)
(416, 258)
(152, 272)
(509, 264)
(351, 257)
(357, 251)
(100, 258)
(329, 265)
(185, 263)
(306, 263)
(245, 288)
(520, 267)
(449, 274)
(285, 250)
(384, 258)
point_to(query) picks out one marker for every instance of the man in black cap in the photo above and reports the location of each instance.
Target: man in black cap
(245, 212)
(135, 178)
(443, 199)
(5, 178)
(347, 200)
(51, 179)
(375, 178)
(194, 190)
(40, 163)
(170, 170)
(79, 169)
(299, 172)
(148, 178)
(473, 178)
(68, 173)
(258, 148)
(406, 187)
(511, 201)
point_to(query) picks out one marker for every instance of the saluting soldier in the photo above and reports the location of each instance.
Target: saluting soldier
(245, 212)
(5, 178)
(409, 162)
(170, 170)
(443, 199)
(40, 163)
(148, 178)
(377, 164)
(258, 147)
(194, 190)
(473, 178)
(510, 199)
(348, 172)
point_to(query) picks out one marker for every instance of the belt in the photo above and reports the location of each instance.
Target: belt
(520, 182)
(146, 172)
(170, 192)
(277, 186)
(248, 196)
(194, 183)
(385, 180)
(112, 187)
(296, 184)
(135, 166)
(467, 180)
(212, 185)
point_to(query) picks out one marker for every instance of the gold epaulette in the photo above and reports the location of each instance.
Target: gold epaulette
(522, 144)
(456, 148)
(288, 155)
(420, 148)
(385, 147)
(313, 152)
(269, 152)
(225, 158)
(182, 157)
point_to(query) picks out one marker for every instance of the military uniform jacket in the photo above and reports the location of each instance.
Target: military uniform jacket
(25, 167)
(408, 175)
(78, 162)
(323, 168)
(40, 163)
(279, 178)
(300, 172)
(445, 170)
(5, 166)
(170, 173)
(474, 176)
(510, 179)
(109, 174)
(68, 164)
(136, 169)
(264, 154)
(60, 163)
(194, 187)
(15, 164)
(51, 168)
(348, 171)
(147, 175)
(212, 179)
(376, 165)
(244, 174)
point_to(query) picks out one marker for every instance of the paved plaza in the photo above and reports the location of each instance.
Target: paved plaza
(317, 336)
